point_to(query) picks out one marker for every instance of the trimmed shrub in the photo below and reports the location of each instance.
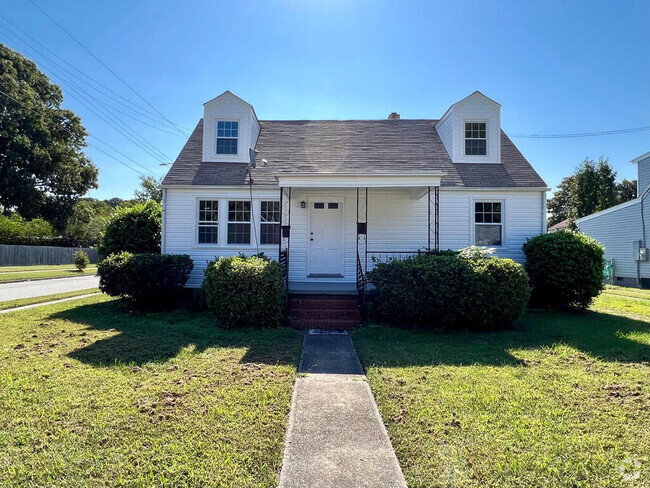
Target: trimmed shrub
(81, 260)
(145, 280)
(245, 292)
(137, 230)
(451, 291)
(565, 269)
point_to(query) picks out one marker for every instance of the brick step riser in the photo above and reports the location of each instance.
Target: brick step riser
(323, 324)
(323, 304)
(322, 314)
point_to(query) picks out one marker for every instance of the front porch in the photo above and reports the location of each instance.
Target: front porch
(335, 228)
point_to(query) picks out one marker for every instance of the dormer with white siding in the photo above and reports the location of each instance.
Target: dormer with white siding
(230, 129)
(471, 130)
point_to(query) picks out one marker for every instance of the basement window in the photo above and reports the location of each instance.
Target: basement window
(227, 136)
(239, 222)
(208, 221)
(488, 224)
(475, 139)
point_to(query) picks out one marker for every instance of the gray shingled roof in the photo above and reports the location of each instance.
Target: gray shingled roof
(350, 146)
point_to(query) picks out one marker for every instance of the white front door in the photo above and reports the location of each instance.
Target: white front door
(325, 238)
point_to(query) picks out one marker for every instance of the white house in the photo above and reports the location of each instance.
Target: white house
(624, 230)
(331, 197)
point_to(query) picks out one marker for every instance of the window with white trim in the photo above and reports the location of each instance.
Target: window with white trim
(488, 223)
(239, 222)
(208, 221)
(269, 222)
(227, 136)
(475, 139)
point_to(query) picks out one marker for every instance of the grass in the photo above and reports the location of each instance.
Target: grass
(91, 395)
(24, 273)
(46, 298)
(562, 400)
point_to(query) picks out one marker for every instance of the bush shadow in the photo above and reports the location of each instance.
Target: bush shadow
(600, 335)
(138, 337)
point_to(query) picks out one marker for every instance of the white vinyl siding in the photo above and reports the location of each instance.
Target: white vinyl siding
(396, 222)
(643, 179)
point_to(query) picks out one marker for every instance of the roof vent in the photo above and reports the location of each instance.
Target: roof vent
(393, 116)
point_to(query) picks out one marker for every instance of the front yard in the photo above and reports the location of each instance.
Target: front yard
(24, 273)
(563, 400)
(93, 396)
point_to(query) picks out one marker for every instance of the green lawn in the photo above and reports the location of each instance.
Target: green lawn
(91, 395)
(561, 401)
(23, 273)
(45, 298)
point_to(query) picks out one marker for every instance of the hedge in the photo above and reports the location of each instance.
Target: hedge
(451, 291)
(145, 280)
(245, 291)
(565, 269)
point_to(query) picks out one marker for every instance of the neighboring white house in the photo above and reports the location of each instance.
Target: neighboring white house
(624, 231)
(332, 197)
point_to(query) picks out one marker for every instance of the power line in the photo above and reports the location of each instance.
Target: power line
(144, 112)
(582, 134)
(83, 96)
(89, 144)
(105, 66)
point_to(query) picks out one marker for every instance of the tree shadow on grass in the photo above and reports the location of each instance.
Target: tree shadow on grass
(140, 338)
(600, 335)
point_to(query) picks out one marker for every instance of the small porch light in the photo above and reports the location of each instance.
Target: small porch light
(303, 205)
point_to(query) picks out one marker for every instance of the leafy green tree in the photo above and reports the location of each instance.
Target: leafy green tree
(558, 206)
(626, 190)
(43, 169)
(16, 230)
(114, 202)
(87, 223)
(590, 189)
(149, 190)
(136, 230)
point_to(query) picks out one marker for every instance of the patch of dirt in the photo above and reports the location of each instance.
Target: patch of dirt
(401, 416)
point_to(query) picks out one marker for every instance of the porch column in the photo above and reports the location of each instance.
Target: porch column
(362, 228)
(285, 228)
(436, 217)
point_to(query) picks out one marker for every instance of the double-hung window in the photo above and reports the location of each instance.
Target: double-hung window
(270, 223)
(475, 139)
(208, 221)
(239, 222)
(488, 223)
(227, 135)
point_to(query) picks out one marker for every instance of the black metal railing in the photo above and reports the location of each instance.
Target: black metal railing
(283, 259)
(361, 289)
(376, 257)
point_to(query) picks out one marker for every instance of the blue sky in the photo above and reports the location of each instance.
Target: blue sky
(555, 66)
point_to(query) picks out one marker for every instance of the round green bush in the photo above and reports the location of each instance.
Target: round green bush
(145, 280)
(81, 260)
(245, 292)
(451, 291)
(137, 230)
(565, 269)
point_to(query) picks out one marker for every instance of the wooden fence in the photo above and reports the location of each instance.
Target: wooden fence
(11, 255)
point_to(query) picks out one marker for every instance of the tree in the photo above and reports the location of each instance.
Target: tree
(86, 225)
(590, 189)
(43, 170)
(150, 189)
(137, 229)
(626, 190)
(558, 205)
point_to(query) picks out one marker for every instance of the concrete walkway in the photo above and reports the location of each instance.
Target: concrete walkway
(39, 288)
(336, 438)
(42, 304)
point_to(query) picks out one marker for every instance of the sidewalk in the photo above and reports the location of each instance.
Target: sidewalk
(336, 438)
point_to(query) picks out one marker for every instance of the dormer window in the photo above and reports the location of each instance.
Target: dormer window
(475, 139)
(227, 134)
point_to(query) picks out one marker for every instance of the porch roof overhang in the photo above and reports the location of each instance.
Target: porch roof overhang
(406, 179)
